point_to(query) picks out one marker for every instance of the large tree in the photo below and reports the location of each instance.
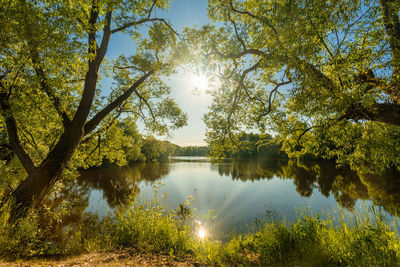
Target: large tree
(53, 56)
(324, 75)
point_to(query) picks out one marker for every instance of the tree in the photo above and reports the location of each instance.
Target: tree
(324, 75)
(52, 61)
(154, 149)
(132, 146)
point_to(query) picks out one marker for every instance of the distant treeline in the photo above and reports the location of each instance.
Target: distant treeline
(246, 146)
(136, 147)
(154, 150)
(256, 145)
(151, 149)
(191, 151)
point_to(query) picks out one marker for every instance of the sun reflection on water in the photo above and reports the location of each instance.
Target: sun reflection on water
(202, 233)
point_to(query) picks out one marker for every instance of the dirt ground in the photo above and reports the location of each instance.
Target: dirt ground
(108, 258)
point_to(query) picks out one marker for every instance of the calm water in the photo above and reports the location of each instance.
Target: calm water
(237, 192)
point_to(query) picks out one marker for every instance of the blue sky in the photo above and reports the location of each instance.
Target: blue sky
(182, 13)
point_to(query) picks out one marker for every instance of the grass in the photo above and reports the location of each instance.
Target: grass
(147, 227)
(313, 242)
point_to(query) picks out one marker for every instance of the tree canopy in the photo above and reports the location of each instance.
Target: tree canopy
(323, 75)
(53, 60)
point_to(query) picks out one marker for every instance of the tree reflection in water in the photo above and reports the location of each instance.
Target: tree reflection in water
(118, 184)
(345, 185)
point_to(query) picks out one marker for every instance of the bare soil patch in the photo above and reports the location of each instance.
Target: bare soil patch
(125, 257)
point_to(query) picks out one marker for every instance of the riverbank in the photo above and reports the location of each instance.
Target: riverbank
(145, 235)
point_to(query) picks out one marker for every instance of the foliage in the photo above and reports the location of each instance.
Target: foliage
(154, 150)
(33, 236)
(52, 102)
(142, 225)
(148, 228)
(321, 75)
(246, 146)
(191, 151)
(313, 241)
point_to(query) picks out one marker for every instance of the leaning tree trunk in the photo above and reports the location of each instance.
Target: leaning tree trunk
(31, 191)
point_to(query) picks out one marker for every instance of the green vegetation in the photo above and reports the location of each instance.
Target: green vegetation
(313, 242)
(149, 228)
(192, 151)
(144, 226)
(151, 149)
(247, 146)
(53, 63)
(322, 75)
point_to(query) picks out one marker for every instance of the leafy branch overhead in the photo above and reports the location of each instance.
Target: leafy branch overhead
(311, 72)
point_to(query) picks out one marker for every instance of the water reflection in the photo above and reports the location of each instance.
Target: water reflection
(238, 189)
(345, 185)
(383, 190)
(119, 183)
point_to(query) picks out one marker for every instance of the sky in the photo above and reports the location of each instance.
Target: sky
(182, 13)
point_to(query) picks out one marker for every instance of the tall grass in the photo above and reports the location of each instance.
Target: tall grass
(312, 241)
(369, 240)
(146, 226)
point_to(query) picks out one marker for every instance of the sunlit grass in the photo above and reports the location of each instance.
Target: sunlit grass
(148, 227)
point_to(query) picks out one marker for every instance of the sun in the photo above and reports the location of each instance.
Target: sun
(200, 82)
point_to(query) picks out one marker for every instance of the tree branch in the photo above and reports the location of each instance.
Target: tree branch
(236, 31)
(103, 129)
(92, 124)
(241, 85)
(241, 54)
(32, 141)
(390, 10)
(12, 131)
(96, 56)
(151, 8)
(105, 39)
(304, 131)
(128, 67)
(301, 65)
(273, 92)
(46, 88)
(380, 112)
(135, 23)
(147, 19)
(146, 103)
(263, 20)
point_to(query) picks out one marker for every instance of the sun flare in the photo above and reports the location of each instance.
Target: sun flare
(202, 233)
(200, 82)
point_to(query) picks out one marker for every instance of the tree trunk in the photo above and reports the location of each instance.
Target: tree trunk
(381, 112)
(31, 191)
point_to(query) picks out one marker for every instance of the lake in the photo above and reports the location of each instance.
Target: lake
(237, 192)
